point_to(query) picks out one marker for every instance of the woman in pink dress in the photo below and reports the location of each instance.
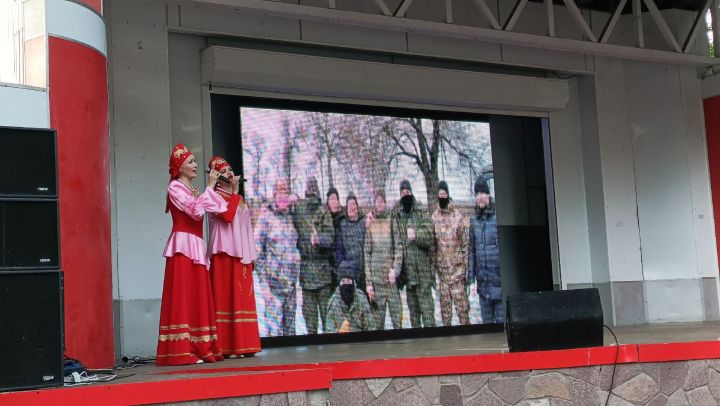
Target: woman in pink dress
(188, 333)
(232, 250)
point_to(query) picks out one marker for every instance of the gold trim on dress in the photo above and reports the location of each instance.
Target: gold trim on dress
(235, 320)
(239, 312)
(181, 326)
(187, 336)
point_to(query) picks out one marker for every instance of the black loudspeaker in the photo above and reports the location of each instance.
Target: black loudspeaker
(554, 320)
(31, 329)
(27, 162)
(29, 234)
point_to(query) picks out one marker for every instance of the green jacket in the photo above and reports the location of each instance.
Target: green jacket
(412, 258)
(315, 269)
(359, 315)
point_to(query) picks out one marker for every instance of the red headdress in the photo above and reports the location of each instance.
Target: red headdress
(217, 163)
(178, 156)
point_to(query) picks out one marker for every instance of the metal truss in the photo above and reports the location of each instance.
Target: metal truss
(503, 32)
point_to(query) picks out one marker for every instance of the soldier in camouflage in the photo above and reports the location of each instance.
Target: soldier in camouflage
(450, 256)
(412, 233)
(379, 257)
(314, 226)
(278, 262)
(349, 310)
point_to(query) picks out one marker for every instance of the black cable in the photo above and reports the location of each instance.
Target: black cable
(612, 377)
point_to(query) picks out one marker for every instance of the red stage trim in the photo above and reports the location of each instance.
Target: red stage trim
(185, 389)
(461, 364)
(679, 351)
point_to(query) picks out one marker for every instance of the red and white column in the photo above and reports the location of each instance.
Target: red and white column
(77, 57)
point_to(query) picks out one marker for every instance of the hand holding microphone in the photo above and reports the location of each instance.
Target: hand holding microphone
(224, 179)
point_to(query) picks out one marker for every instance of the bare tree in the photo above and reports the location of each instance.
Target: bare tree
(327, 130)
(257, 150)
(367, 153)
(290, 146)
(423, 142)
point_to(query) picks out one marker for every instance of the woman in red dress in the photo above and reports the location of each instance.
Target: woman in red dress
(188, 334)
(232, 250)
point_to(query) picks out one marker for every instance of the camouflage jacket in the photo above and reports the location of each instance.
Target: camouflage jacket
(449, 244)
(278, 256)
(412, 258)
(359, 316)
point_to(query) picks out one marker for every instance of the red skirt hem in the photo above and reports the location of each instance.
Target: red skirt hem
(187, 332)
(235, 310)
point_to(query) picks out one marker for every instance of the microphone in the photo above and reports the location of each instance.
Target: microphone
(224, 179)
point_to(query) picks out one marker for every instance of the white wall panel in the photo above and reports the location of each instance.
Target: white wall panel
(567, 164)
(141, 130)
(185, 95)
(711, 86)
(24, 107)
(701, 195)
(616, 154)
(664, 198)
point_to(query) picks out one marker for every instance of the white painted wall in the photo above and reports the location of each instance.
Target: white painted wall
(570, 194)
(141, 133)
(711, 86)
(24, 107)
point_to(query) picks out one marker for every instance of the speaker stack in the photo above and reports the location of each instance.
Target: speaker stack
(31, 282)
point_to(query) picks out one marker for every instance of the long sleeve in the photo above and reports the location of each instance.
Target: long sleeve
(471, 255)
(208, 202)
(398, 247)
(229, 214)
(462, 235)
(367, 253)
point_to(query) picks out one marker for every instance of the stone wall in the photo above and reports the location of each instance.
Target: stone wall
(654, 384)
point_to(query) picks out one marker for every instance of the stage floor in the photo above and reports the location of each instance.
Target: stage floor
(489, 343)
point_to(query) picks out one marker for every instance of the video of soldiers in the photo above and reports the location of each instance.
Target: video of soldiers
(366, 222)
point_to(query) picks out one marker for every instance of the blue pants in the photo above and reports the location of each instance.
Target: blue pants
(492, 310)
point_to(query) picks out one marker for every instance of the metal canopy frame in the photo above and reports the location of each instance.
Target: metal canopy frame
(504, 32)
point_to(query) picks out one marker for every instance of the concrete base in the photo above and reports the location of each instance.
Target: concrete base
(657, 301)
